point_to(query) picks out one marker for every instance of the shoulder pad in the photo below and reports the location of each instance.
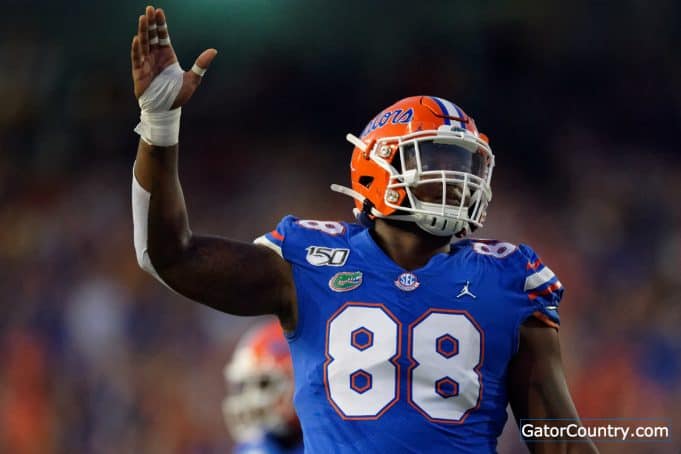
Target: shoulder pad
(308, 241)
(541, 286)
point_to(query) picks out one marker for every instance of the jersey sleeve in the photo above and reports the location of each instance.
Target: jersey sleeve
(276, 238)
(542, 288)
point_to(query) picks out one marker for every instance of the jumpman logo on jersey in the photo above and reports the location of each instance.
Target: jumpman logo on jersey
(466, 291)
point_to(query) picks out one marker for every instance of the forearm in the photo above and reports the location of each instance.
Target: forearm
(538, 389)
(231, 276)
(549, 399)
(168, 234)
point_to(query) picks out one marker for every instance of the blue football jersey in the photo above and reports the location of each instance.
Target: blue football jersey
(390, 360)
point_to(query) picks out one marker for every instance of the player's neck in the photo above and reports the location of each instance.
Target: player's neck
(406, 244)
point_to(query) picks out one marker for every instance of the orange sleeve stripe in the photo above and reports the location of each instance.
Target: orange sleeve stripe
(277, 235)
(547, 291)
(544, 318)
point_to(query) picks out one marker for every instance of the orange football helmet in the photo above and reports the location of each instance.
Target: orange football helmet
(422, 160)
(260, 385)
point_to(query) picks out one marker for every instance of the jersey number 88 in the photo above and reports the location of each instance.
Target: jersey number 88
(362, 376)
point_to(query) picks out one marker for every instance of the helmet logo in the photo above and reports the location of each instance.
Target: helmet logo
(398, 116)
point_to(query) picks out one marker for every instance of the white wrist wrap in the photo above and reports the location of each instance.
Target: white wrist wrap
(160, 128)
(158, 124)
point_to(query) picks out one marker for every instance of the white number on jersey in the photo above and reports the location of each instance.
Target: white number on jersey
(362, 375)
(330, 227)
(361, 379)
(498, 250)
(447, 348)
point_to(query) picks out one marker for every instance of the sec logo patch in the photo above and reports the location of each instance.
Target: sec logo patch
(407, 282)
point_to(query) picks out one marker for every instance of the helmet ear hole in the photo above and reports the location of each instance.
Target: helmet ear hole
(366, 181)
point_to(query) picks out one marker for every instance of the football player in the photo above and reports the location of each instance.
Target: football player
(401, 340)
(258, 408)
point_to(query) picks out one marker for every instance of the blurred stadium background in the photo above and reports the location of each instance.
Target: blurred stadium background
(582, 102)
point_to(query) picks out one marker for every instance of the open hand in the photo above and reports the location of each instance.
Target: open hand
(152, 52)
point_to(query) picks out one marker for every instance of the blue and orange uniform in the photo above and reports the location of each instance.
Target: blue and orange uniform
(391, 360)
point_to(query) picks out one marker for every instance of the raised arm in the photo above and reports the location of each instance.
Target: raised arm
(231, 276)
(537, 386)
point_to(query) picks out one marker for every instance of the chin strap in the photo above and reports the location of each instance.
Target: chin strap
(363, 217)
(360, 198)
(373, 211)
(356, 141)
(348, 191)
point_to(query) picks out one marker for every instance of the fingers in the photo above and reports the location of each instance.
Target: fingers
(162, 26)
(201, 65)
(150, 15)
(143, 36)
(136, 53)
(191, 79)
(206, 58)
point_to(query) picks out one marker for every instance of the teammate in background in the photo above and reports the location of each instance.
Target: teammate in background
(258, 408)
(401, 341)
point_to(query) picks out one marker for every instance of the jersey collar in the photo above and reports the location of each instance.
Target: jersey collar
(364, 245)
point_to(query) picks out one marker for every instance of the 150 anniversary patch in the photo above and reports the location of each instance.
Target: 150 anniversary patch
(326, 256)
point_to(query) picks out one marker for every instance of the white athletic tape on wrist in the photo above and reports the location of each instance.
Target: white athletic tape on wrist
(161, 129)
(158, 124)
(199, 71)
(164, 41)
